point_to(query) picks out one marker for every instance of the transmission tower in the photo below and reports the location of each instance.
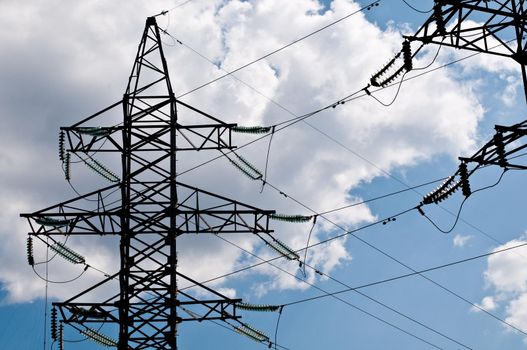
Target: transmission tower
(495, 27)
(502, 151)
(147, 209)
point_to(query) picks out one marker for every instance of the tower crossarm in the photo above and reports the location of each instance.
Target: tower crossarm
(492, 27)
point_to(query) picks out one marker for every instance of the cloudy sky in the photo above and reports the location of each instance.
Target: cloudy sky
(62, 61)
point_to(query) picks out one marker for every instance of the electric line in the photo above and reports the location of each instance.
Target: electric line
(344, 284)
(400, 262)
(416, 9)
(367, 7)
(391, 279)
(460, 207)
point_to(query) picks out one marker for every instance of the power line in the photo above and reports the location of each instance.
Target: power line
(416, 9)
(392, 279)
(367, 7)
(344, 284)
(391, 257)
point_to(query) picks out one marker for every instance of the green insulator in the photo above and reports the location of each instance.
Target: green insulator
(67, 253)
(46, 221)
(101, 170)
(246, 168)
(252, 129)
(291, 218)
(94, 131)
(252, 333)
(257, 308)
(281, 248)
(99, 338)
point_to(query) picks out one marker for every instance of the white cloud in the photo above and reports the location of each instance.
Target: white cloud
(487, 303)
(460, 240)
(507, 276)
(78, 69)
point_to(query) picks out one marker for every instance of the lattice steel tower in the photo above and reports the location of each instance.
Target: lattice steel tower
(147, 209)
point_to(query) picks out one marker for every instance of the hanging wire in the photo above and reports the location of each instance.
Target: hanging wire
(267, 158)
(367, 7)
(416, 9)
(447, 231)
(303, 263)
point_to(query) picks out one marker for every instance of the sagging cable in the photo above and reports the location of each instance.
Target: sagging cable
(30, 258)
(101, 170)
(99, 338)
(291, 218)
(47, 221)
(257, 308)
(245, 167)
(252, 129)
(67, 253)
(252, 333)
(264, 180)
(303, 263)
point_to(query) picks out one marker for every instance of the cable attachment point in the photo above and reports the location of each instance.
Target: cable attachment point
(463, 174)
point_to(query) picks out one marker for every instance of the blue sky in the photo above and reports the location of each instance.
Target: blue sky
(56, 76)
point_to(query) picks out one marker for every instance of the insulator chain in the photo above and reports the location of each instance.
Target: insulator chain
(68, 253)
(445, 190)
(99, 338)
(30, 259)
(67, 167)
(438, 17)
(54, 328)
(500, 149)
(252, 333)
(252, 129)
(257, 308)
(463, 174)
(382, 79)
(62, 148)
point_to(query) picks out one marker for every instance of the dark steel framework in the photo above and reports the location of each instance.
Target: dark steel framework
(152, 211)
(496, 27)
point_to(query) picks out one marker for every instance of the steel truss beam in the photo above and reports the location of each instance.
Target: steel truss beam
(494, 27)
(147, 209)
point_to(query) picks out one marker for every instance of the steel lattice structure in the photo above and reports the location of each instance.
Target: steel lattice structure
(152, 210)
(495, 27)
(503, 150)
